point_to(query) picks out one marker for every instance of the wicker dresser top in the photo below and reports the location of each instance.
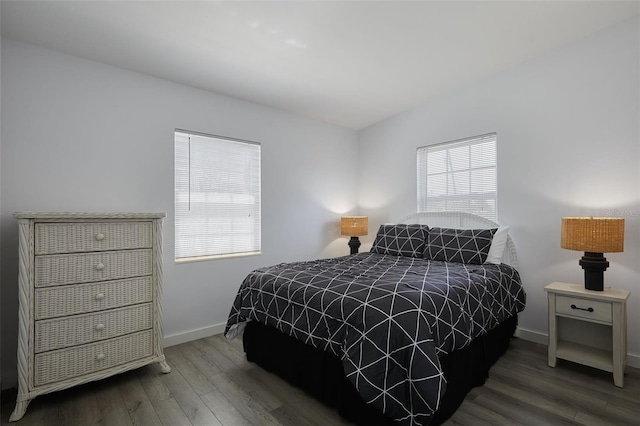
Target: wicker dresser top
(86, 215)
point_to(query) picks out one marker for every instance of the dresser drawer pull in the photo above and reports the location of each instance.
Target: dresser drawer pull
(100, 357)
(99, 326)
(582, 309)
(100, 266)
(99, 296)
(99, 237)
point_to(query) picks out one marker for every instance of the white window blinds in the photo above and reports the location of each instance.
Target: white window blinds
(459, 175)
(217, 196)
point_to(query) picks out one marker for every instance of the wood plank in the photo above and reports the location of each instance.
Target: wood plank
(241, 399)
(110, 403)
(171, 414)
(256, 389)
(73, 406)
(311, 408)
(151, 381)
(212, 345)
(177, 360)
(195, 409)
(470, 413)
(198, 354)
(517, 410)
(289, 416)
(140, 410)
(542, 401)
(224, 411)
(232, 349)
(559, 398)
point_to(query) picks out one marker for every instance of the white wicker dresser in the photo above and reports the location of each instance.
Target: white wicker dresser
(90, 287)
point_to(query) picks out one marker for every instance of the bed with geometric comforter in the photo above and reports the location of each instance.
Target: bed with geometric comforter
(389, 315)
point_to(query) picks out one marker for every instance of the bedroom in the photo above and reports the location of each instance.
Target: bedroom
(567, 124)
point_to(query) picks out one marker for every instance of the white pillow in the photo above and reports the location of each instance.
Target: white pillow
(498, 244)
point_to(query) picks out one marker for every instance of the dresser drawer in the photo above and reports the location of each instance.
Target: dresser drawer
(52, 238)
(54, 302)
(80, 329)
(80, 360)
(52, 270)
(583, 308)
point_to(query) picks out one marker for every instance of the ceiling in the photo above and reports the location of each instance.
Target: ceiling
(350, 63)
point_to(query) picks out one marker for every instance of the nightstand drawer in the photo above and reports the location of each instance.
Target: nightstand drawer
(584, 308)
(52, 238)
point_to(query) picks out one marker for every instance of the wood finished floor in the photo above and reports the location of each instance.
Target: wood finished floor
(213, 384)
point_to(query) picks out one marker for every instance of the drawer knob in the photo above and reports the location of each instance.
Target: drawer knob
(100, 357)
(100, 266)
(589, 309)
(99, 326)
(99, 296)
(99, 237)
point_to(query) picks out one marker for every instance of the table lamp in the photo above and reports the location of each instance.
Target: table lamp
(354, 227)
(594, 236)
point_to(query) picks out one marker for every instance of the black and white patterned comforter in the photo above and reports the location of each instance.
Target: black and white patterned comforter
(389, 318)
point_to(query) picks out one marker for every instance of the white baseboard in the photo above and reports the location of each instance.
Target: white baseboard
(188, 336)
(542, 338)
(532, 336)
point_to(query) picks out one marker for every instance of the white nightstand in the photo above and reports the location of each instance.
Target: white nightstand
(608, 307)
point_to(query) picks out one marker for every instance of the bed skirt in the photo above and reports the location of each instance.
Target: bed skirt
(321, 375)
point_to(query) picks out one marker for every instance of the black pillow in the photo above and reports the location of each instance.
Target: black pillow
(401, 240)
(459, 245)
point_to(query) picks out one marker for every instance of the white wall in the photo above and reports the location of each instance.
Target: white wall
(82, 136)
(568, 144)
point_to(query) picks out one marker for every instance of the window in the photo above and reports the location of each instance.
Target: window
(459, 175)
(217, 196)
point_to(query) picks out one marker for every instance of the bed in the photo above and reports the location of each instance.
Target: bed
(397, 335)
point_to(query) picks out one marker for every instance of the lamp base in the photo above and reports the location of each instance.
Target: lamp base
(354, 243)
(594, 265)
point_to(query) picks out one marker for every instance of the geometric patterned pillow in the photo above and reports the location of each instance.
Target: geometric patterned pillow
(459, 245)
(400, 240)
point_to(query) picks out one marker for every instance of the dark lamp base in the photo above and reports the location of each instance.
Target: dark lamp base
(594, 265)
(354, 243)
